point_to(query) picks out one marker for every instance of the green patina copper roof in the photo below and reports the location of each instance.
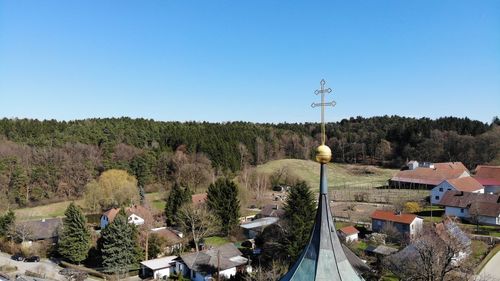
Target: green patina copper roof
(323, 258)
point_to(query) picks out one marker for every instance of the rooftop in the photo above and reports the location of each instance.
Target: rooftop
(262, 222)
(393, 216)
(349, 230)
(199, 198)
(225, 257)
(464, 199)
(467, 184)
(432, 176)
(160, 263)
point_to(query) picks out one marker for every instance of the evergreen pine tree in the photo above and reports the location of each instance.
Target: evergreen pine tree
(300, 211)
(74, 243)
(177, 197)
(222, 199)
(6, 222)
(118, 245)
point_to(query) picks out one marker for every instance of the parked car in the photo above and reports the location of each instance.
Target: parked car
(32, 259)
(18, 257)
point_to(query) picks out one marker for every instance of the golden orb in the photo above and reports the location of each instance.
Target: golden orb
(323, 154)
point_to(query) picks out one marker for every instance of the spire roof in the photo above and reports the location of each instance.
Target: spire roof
(323, 258)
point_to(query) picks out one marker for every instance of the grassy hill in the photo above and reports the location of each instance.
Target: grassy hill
(339, 175)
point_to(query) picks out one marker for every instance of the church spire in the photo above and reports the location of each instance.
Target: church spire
(323, 257)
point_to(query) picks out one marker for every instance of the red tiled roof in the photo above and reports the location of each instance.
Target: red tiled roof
(349, 230)
(490, 209)
(169, 235)
(485, 182)
(199, 198)
(136, 209)
(488, 172)
(451, 165)
(393, 217)
(466, 184)
(426, 176)
(488, 175)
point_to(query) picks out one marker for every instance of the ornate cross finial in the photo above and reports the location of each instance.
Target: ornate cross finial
(323, 91)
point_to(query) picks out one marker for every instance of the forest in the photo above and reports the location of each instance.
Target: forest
(42, 161)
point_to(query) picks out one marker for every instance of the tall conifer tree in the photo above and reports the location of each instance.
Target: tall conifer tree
(177, 197)
(299, 218)
(222, 199)
(74, 243)
(118, 245)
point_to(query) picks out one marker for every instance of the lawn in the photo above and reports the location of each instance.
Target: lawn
(492, 253)
(157, 201)
(216, 241)
(339, 175)
(53, 210)
(483, 229)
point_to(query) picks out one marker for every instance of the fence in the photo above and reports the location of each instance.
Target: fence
(373, 195)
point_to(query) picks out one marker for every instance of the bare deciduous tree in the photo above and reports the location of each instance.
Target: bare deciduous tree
(198, 222)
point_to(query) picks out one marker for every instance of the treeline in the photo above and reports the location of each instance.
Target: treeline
(42, 160)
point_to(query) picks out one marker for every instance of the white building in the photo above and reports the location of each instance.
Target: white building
(136, 214)
(465, 184)
(160, 268)
(349, 233)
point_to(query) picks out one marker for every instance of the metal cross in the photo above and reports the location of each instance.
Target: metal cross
(323, 91)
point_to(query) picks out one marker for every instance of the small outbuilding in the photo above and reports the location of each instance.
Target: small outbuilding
(161, 268)
(349, 233)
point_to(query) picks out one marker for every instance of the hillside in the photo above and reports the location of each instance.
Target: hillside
(339, 175)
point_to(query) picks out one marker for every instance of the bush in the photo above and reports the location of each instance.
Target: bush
(412, 207)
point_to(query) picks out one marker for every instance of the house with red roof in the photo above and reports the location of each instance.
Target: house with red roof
(406, 224)
(464, 184)
(136, 214)
(489, 176)
(349, 233)
(428, 176)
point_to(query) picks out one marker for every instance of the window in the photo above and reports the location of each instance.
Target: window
(461, 210)
(440, 189)
(436, 197)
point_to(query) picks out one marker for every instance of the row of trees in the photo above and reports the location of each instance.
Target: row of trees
(42, 160)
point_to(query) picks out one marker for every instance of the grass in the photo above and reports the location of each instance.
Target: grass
(483, 229)
(339, 175)
(490, 255)
(53, 210)
(479, 250)
(216, 241)
(156, 200)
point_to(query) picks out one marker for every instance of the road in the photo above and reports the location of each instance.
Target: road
(45, 266)
(491, 271)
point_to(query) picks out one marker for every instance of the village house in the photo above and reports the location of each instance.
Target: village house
(484, 208)
(173, 239)
(202, 265)
(41, 230)
(427, 175)
(406, 224)
(137, 215)
(349, 233)
(489, 176)
(465, 184)
(161, 268)
(271, 210)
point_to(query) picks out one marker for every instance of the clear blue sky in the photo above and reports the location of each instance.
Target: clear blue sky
(258, 60)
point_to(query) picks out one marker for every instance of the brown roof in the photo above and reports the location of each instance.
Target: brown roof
(488, 172)
(488, 175)
(393, 217)
(271, 210)
(467, 184)
(432, 176)
(349, 230)
(465, 199)
(168, 234)
(199, 198)
(489, 209)
(111, 214)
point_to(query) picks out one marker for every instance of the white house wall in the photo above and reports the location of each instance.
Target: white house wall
(456, 212)
(160, 273)
(438, 191)
(489, 220)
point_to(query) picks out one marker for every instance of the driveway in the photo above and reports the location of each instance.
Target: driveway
(491, 271)
(45, 266)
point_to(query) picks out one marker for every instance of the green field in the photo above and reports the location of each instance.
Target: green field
(339, 175)
(46, 211)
